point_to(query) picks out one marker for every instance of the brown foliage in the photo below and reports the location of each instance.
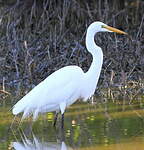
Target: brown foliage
(41, 36)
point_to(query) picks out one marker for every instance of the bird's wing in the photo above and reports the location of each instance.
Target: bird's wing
(56, 88)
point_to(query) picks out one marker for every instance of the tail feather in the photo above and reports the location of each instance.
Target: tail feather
(27, 112)
(35, 114)
(18, 108)
(24, 103)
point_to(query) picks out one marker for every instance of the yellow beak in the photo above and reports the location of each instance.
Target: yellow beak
(114, 30)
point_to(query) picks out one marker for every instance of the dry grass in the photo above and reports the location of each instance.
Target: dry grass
(39, 37)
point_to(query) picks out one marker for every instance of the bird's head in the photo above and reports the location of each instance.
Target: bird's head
(101, 27)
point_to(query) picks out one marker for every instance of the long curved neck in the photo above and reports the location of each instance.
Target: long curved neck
(94, 71)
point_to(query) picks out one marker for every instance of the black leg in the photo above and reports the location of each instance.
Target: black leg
(62, 124)
(55, 119)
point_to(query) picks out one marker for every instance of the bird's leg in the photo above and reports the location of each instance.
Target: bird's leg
(55, 119)
(62, 123)
(62, 108)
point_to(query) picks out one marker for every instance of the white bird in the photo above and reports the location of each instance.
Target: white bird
(63, 87)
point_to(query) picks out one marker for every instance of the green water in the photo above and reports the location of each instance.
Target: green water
(101, 126)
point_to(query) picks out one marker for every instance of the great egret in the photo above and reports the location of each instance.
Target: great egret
(63, 87)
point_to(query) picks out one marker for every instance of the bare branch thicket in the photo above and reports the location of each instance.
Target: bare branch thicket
(39, 37)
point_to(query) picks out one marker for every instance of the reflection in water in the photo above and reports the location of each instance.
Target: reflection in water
(87, 127)
(36, 144)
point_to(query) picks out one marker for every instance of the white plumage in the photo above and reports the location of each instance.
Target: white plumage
(47, 96)
(66, 85)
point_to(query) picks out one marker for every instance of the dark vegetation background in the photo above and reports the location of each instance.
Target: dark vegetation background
(37, 37)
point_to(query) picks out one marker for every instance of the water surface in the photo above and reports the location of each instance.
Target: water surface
(101, 126)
